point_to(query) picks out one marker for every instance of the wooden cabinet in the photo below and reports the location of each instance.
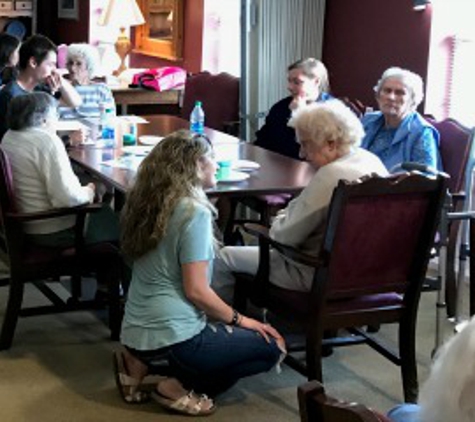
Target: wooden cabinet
(22, 11)
(162, 33)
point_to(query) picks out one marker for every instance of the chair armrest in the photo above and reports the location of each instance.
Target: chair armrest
(452, 216)
(458, 197)
(289, 251)
(54, 213)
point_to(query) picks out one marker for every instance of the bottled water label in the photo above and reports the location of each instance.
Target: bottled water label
(197, 127)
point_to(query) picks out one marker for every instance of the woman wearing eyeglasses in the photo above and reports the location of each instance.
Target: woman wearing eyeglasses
(307, 83)
(168, 234)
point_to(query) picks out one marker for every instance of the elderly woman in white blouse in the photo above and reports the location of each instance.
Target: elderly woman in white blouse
(329, 135)
(43, 176)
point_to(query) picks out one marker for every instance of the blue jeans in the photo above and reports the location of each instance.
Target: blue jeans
(406, 412)
(215, 359)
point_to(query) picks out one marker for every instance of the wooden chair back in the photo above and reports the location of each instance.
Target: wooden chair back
(219, 95)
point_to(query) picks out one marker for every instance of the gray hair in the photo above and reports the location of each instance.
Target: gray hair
(313, 68)
(412, 82)
(447, 395)
(329, 121)
(30, 110)
(86, 52)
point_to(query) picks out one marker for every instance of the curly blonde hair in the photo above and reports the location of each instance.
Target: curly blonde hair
(169, 173)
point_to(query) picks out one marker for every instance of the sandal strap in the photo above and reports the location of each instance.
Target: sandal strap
(136, 396)
(128, 381)
(184, 403)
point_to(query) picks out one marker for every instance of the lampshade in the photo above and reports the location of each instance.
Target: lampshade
(121, 13)
(420, 4)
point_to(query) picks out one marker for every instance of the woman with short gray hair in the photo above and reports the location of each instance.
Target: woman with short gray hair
(398, 133)
(82, 62)
(329, 134)
(43, 176)
(29, 111)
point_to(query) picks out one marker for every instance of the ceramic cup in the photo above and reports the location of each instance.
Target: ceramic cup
(224, 170)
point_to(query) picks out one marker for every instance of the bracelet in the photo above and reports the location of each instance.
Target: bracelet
(236, 318)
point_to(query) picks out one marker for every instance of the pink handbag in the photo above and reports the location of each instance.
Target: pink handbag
(161, 78)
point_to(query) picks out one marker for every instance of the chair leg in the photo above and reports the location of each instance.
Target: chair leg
(76, 288)
(229, 207)
(241, 293)
(450, 283)
(112, 278)
(313, 352)
(407, 352)
(108, 274)
(15, 299)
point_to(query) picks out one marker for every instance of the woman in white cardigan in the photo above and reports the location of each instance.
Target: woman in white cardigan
(329, 135)
(43, 176)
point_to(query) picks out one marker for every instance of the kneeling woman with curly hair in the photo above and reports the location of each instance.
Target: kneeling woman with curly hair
(168, 233)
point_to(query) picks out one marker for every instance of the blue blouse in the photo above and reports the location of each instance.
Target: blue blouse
(413, 140)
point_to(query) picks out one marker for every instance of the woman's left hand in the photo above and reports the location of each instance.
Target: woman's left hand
(265, 330)
(54, 81)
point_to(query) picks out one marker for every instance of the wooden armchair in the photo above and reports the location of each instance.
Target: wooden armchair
(457, 152)
(31, 263)
(370, 271)
(316, 406)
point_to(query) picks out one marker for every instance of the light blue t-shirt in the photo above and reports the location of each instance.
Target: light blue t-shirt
(157, 312)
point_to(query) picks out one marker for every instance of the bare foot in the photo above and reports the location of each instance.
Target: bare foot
(135, 368)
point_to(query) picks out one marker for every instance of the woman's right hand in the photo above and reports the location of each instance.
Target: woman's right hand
(265, 330)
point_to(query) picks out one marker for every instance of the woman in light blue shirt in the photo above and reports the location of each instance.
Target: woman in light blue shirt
(168, 233)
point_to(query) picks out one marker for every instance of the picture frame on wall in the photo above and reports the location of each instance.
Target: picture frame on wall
(68, 9)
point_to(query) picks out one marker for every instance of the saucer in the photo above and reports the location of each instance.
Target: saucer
(234, 176)
(245, 165)
(150, 139)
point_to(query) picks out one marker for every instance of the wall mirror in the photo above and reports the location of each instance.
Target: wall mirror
(162, 33)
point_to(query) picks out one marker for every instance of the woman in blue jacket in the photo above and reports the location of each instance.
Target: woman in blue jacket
(398, 133)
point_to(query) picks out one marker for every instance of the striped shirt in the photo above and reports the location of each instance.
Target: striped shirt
(92, 95)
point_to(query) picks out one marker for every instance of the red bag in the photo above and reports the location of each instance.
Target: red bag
(161, 78)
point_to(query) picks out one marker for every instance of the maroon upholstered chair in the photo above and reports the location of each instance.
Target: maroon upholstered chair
(370, 270)
(457, 151)
(316, 406)
(34, 264)
(219, 95)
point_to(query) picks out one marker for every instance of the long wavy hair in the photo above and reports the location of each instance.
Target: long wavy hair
(169, 173)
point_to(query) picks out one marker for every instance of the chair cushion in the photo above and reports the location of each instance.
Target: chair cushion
(298, 303)
(275, 200)
(38, 255)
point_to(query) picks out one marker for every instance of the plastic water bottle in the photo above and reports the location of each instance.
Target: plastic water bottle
(197, 119)
(108, 128)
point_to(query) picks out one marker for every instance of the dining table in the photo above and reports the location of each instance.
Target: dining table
(272, 173)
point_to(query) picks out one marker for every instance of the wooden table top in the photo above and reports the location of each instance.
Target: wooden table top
(277, 174)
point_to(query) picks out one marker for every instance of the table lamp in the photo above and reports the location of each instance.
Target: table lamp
(122, 14)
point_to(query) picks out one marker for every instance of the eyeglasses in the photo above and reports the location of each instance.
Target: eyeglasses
(198, 136)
